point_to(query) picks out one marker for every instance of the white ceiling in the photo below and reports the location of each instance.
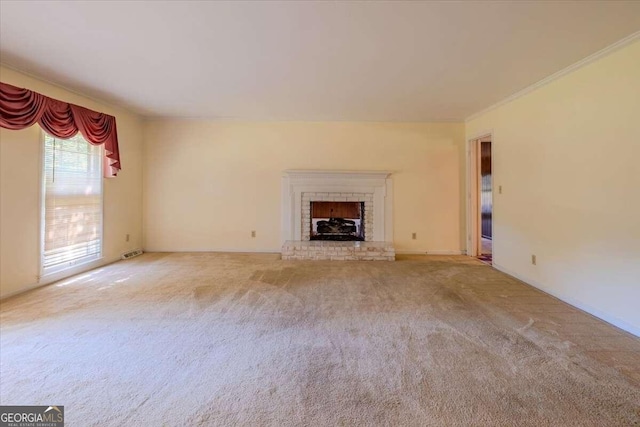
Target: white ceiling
(372, 61)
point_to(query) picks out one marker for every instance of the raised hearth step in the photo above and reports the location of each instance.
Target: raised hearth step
(338, 251)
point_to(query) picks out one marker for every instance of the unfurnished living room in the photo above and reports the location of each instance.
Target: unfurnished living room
(319, 213)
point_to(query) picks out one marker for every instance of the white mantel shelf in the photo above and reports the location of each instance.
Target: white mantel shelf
(376, 184)
(335, 174)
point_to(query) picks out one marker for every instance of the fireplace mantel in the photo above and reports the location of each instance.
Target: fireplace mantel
(324, 185)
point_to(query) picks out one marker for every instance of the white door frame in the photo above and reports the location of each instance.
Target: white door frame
(473, 181)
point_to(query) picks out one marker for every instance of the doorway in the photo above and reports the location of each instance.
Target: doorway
(481, 199)
(485, 202)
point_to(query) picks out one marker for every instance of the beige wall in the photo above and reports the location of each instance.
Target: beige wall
(20, 158)
(567, 156)
(207, 184)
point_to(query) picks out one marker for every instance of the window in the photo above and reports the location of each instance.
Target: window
(72, 202)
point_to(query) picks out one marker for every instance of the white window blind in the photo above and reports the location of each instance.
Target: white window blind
(72, 202)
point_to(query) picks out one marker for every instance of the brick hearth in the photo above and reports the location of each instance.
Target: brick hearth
(338, 251)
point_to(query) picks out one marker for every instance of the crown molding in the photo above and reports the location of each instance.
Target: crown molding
(555, 76)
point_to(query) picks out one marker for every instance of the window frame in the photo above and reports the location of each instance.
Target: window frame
(66, 266)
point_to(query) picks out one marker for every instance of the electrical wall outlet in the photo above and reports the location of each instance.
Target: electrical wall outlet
(126, 238)
(253, 233)
(533, 260)
(499, 189)
(414, 236)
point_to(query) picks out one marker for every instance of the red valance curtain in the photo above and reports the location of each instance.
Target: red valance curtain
(21, 108)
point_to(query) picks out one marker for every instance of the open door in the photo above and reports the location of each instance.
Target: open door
(480, 207)
(485, 196)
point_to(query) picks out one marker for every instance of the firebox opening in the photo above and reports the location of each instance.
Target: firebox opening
(337, 221)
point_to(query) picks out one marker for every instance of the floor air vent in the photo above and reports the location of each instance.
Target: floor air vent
(131, 254)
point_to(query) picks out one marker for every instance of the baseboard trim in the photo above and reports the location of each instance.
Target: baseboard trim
(436, 252)
(613, 320)
(58, 276)
(221, 250)
(279, 250)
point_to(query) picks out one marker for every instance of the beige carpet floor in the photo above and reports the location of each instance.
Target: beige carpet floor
(232, 339)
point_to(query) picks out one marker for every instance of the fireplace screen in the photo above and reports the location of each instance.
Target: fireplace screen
(337, 221)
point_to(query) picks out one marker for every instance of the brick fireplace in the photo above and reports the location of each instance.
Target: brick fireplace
(372, 190)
